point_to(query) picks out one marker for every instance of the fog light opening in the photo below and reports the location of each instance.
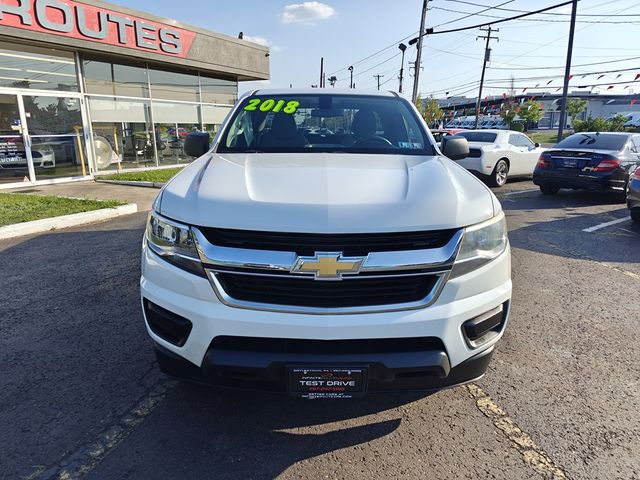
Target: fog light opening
(167, 325)
(482, 329)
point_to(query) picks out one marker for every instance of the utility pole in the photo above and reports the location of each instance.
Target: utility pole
(321, 72)
(378, 77)
(402, 48)
(351, 71)
(567, 70)
(416, 78)
(487, 58)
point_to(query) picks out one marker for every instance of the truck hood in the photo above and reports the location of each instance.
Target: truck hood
(326, 193)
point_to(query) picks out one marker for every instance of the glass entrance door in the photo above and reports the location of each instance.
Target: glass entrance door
(14, 158)
(56, 136)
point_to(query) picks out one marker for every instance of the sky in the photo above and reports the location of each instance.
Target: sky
(346, 32)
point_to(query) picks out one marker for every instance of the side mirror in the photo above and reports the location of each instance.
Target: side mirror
(536, 145)
(196, 144)
(455, 147)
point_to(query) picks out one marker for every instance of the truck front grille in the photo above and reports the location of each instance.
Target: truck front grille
(260, 270)
(350, 244)
(304, 292)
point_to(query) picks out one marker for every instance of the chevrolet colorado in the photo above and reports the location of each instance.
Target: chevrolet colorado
(324, 246)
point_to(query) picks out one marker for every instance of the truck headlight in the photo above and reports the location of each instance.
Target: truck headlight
(481, 243)
(174, 242)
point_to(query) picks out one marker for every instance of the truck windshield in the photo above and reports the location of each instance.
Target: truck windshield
(325, 123)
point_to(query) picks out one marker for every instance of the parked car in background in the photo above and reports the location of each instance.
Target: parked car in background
(469, 123)
(438, 133)
(633, 196)
(43, 156)
(589, 161)
(633, 120)
(495, 155)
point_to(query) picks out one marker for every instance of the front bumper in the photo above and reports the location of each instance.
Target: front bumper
(413, 371)
(450, 361)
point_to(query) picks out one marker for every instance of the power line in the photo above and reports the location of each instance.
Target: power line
(562, 66)
(522, 11)
(375, 66)
(544, 20)
(560, 38)
(486, 24)
(393, 45)
(469, 14)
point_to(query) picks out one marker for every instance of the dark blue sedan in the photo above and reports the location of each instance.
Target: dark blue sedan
(589, 161)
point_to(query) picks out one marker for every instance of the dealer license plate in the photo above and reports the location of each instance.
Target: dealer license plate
(327, 382)
(570, 163)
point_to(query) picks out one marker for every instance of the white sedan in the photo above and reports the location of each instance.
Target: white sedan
(496, 155)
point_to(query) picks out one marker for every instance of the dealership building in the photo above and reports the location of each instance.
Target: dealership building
(88, 87)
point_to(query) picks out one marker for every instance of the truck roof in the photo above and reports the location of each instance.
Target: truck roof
(318, 91)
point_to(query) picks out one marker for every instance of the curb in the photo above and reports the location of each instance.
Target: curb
(132, 183)
(65, 221)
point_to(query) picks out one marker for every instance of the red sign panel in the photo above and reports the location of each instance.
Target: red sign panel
(87, 22)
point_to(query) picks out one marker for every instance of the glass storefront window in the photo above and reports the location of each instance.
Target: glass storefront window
(216, 90)
(115, 79)
(57, 140)
(174, 86)
(122, 133)
(173, 122)
(212, 118)
(24, 66)
(13, 157)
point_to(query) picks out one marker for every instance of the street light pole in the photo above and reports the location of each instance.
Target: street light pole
(351, 71)
(402, 48)
(567, 70)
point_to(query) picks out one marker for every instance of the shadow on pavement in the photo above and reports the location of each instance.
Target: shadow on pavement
(229, 434)
(565, 237)
(73, 346)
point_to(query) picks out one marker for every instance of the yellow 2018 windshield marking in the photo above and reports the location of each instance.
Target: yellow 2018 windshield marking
(270, 104)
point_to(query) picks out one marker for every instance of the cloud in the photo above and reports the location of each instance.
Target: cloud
(306, 13)
(262, 41)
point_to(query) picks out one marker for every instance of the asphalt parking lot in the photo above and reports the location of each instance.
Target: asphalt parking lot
(80, 394)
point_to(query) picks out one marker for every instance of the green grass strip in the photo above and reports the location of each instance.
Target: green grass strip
(22, 207)
(156, 176)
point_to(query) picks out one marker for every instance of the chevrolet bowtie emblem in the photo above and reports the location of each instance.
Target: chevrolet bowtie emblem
(328, 265)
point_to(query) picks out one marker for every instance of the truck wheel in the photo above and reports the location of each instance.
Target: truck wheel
(635, 215)
(549, 189)
(500, 173)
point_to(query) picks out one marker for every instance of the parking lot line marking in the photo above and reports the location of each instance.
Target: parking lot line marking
(518, 192)
(605, 224)
(77, 464)
(531, 453)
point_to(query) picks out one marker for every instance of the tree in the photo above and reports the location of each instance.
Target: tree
(531, 113)
(575, 107)
(429, 109)
(508, 112)
(617, 123)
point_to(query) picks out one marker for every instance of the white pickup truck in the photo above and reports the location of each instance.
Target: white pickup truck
(323, 246)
